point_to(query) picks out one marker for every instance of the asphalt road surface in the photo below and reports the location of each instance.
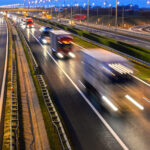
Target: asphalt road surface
(3, 41)
(94, 128)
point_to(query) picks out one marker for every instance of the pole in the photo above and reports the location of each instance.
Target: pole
(123, 17)
(116, 20)
(51, 9)
(24, 3)
(28, 4)
(71, 11)
(88, 11)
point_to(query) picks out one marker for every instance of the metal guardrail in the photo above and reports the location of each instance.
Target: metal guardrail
(47, 100)
(14, 104)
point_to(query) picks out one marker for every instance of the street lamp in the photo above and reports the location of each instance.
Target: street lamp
(71, 11)
(88, 7)
(51, 8)
(116, 19)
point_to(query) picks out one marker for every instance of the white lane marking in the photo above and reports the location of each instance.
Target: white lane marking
(141, 80)
(146, 99)
(4, 77)
(82, 84)
(88, 102)
(134, 102)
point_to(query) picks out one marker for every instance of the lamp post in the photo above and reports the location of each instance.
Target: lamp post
(123, 10)
(51, 8)
(116, 19)
(88, 11)
(71, 11)
(28, 4)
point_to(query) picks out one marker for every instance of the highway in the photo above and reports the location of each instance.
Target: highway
(3, 42)
(93, 127)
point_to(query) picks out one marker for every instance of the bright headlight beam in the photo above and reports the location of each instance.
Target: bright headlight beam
(44, 41)
(134, 102)
(72, 54)
(109, 103)
(60, 55)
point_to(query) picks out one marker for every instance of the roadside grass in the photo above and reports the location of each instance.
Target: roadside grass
(51, 131)
(84, 43)
(142, 72)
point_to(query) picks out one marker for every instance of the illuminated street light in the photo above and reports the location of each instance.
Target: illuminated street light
(88, 7)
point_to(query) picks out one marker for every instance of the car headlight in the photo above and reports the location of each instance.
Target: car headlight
(41, 29)
(60, 55)
(71, 54)
(44, 41)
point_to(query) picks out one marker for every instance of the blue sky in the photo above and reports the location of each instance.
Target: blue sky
(141, 3)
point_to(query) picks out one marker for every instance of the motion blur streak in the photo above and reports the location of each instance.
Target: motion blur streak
(134, 102)
(146, 99)
(109, 103)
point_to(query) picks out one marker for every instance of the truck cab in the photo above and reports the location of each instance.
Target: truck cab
(61, 44)
(29, 23)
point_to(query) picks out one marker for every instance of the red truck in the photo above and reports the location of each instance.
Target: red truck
(29, 23)
(61, 44)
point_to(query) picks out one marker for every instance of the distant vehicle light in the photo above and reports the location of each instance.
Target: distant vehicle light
(44, 41)
(41, 29)
(45, 29)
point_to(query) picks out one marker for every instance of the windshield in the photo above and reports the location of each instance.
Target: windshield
(46, 33)
(65, 46)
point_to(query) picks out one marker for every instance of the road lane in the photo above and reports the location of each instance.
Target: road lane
(3, 42)
(86, 130)
(127, 126)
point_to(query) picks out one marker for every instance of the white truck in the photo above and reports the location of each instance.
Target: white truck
(105, 73)
(61, 44)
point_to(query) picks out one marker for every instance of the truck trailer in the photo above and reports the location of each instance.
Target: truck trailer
(106, 73)
(61, 44)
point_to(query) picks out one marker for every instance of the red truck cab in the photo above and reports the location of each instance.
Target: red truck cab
(61, 44)
(29, 23)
